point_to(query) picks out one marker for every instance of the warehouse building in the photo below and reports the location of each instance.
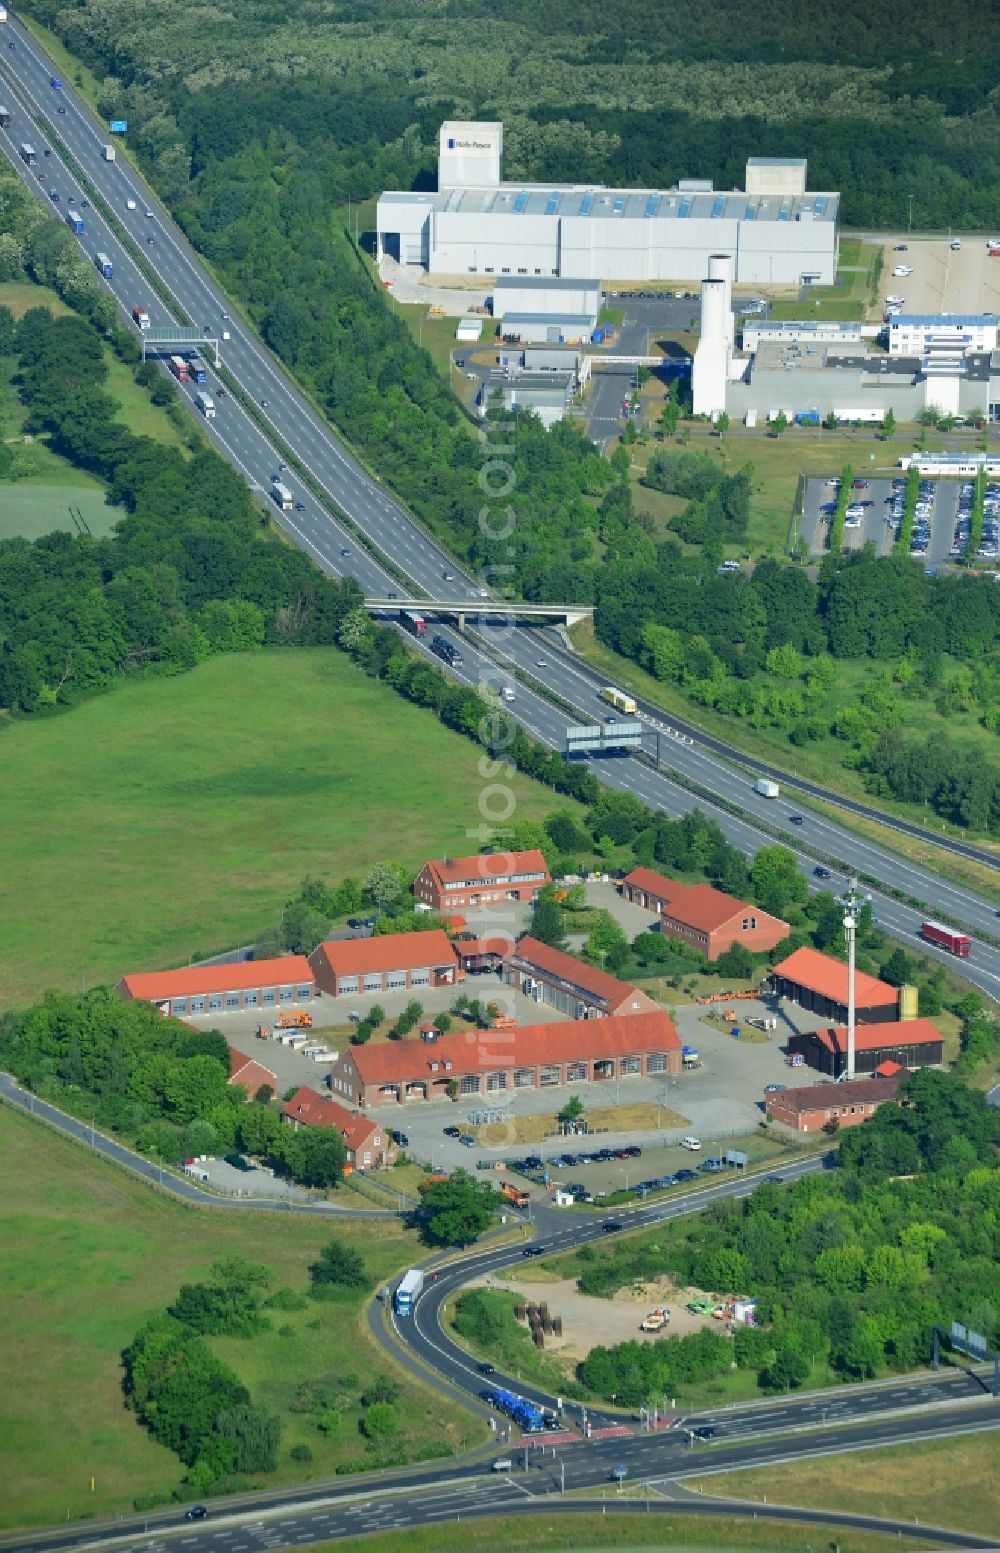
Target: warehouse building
(494, 1062)
(224, 989)
(546, 394)
(546, 296)
(563, 982)
(393, 962)
(483, 880)
(912, 1043)
(705, 917)
(776, 231)
(815, 1106)
(818, 983)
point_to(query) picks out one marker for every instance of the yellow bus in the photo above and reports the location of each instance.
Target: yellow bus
(618, 699)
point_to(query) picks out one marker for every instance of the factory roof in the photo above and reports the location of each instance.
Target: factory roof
(599, 203)
(543, 283)
(575, 320)
(942, 320)
(776, 161)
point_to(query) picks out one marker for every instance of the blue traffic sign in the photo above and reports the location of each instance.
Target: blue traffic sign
(118, 126)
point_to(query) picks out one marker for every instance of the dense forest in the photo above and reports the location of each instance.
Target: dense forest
(851, 1269)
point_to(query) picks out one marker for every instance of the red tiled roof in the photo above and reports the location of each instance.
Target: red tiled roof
(888, 1068)
(822, 1097)
(828, 977)
(312, 1109)
(389, 952)
(487, 865)
(199, 980)
(466, 947)
(249, 1072)
(867, 1038)
(480, 1051)
(706, 909)
(567, 968)
(652, 883)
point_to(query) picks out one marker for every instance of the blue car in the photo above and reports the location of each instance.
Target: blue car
(56, 84)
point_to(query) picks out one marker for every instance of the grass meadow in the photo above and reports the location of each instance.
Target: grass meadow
(89, 1255)
(174, 817)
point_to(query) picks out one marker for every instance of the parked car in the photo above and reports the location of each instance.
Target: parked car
(694, 1144)
(452, 1132)
(684, 1175)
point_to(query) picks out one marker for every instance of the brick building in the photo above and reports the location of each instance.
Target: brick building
(491, 1062)
(815, 1106)
(250, 1073)
(818, 983)
(703, 916)
(476, 955)
(368, 1145)
(393, 962)
(912, 1043)
(550, 976)
(223, 989)
(484, 880)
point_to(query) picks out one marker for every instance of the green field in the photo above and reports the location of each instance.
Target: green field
(948, 1482)
(89, 1255)
(174, 817)
(594, 1532)
(32, 508)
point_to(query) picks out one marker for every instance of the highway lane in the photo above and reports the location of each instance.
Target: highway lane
(385, 521)
(537, 1482)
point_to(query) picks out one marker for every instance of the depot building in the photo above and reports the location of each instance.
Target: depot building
(776, 232)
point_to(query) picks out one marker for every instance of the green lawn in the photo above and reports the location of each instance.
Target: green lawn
(32, 508)
(89, 1254)
(174, 817)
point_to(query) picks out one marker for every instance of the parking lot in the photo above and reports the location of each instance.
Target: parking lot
(944, 279)
(941, 525)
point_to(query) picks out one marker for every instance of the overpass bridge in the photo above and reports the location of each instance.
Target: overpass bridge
(491, 609)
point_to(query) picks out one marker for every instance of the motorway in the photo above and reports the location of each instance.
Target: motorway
(25, 74)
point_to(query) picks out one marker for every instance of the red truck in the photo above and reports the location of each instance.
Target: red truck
(412, 622)
(946, 938)
(515, 1194)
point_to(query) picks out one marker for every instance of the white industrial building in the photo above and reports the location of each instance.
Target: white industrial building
(553, 294)
(546, 393)
(774, 230)
(962, 334)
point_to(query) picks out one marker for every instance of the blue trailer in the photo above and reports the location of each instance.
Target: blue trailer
(75, 222)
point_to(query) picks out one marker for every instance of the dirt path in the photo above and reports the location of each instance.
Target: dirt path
(589, 1322)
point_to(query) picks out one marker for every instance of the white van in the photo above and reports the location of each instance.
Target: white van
(503, 1465)
(507, 692)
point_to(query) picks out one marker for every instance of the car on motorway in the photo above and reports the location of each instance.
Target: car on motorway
(130, 204)
(54, 195)
(704, 1431)
(196, 1512)
(487, 1369)
(541, 663)
(819, 872)
(265, 404)
(795, 819)
(448, 576)
(611, 1226)
(532, 1251)
(344, 550)
(300, 506)
(85, 205)
(60, 110)
(149, 215)
(56, 84)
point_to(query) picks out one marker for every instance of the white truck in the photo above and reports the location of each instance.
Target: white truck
(282, 495)
(766, 788)
(206, 405)
(108, 153)
(655, 1321)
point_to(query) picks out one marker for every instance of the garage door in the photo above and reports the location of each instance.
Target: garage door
(420, 979)
(397, 979)
(347, 984)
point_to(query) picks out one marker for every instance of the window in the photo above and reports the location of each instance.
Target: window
(179, 1006)
(505, 270)
(197, 1005)
(522, 272)
(576, 1072)
(538, 272)
(469, 1084)
(267, 997)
